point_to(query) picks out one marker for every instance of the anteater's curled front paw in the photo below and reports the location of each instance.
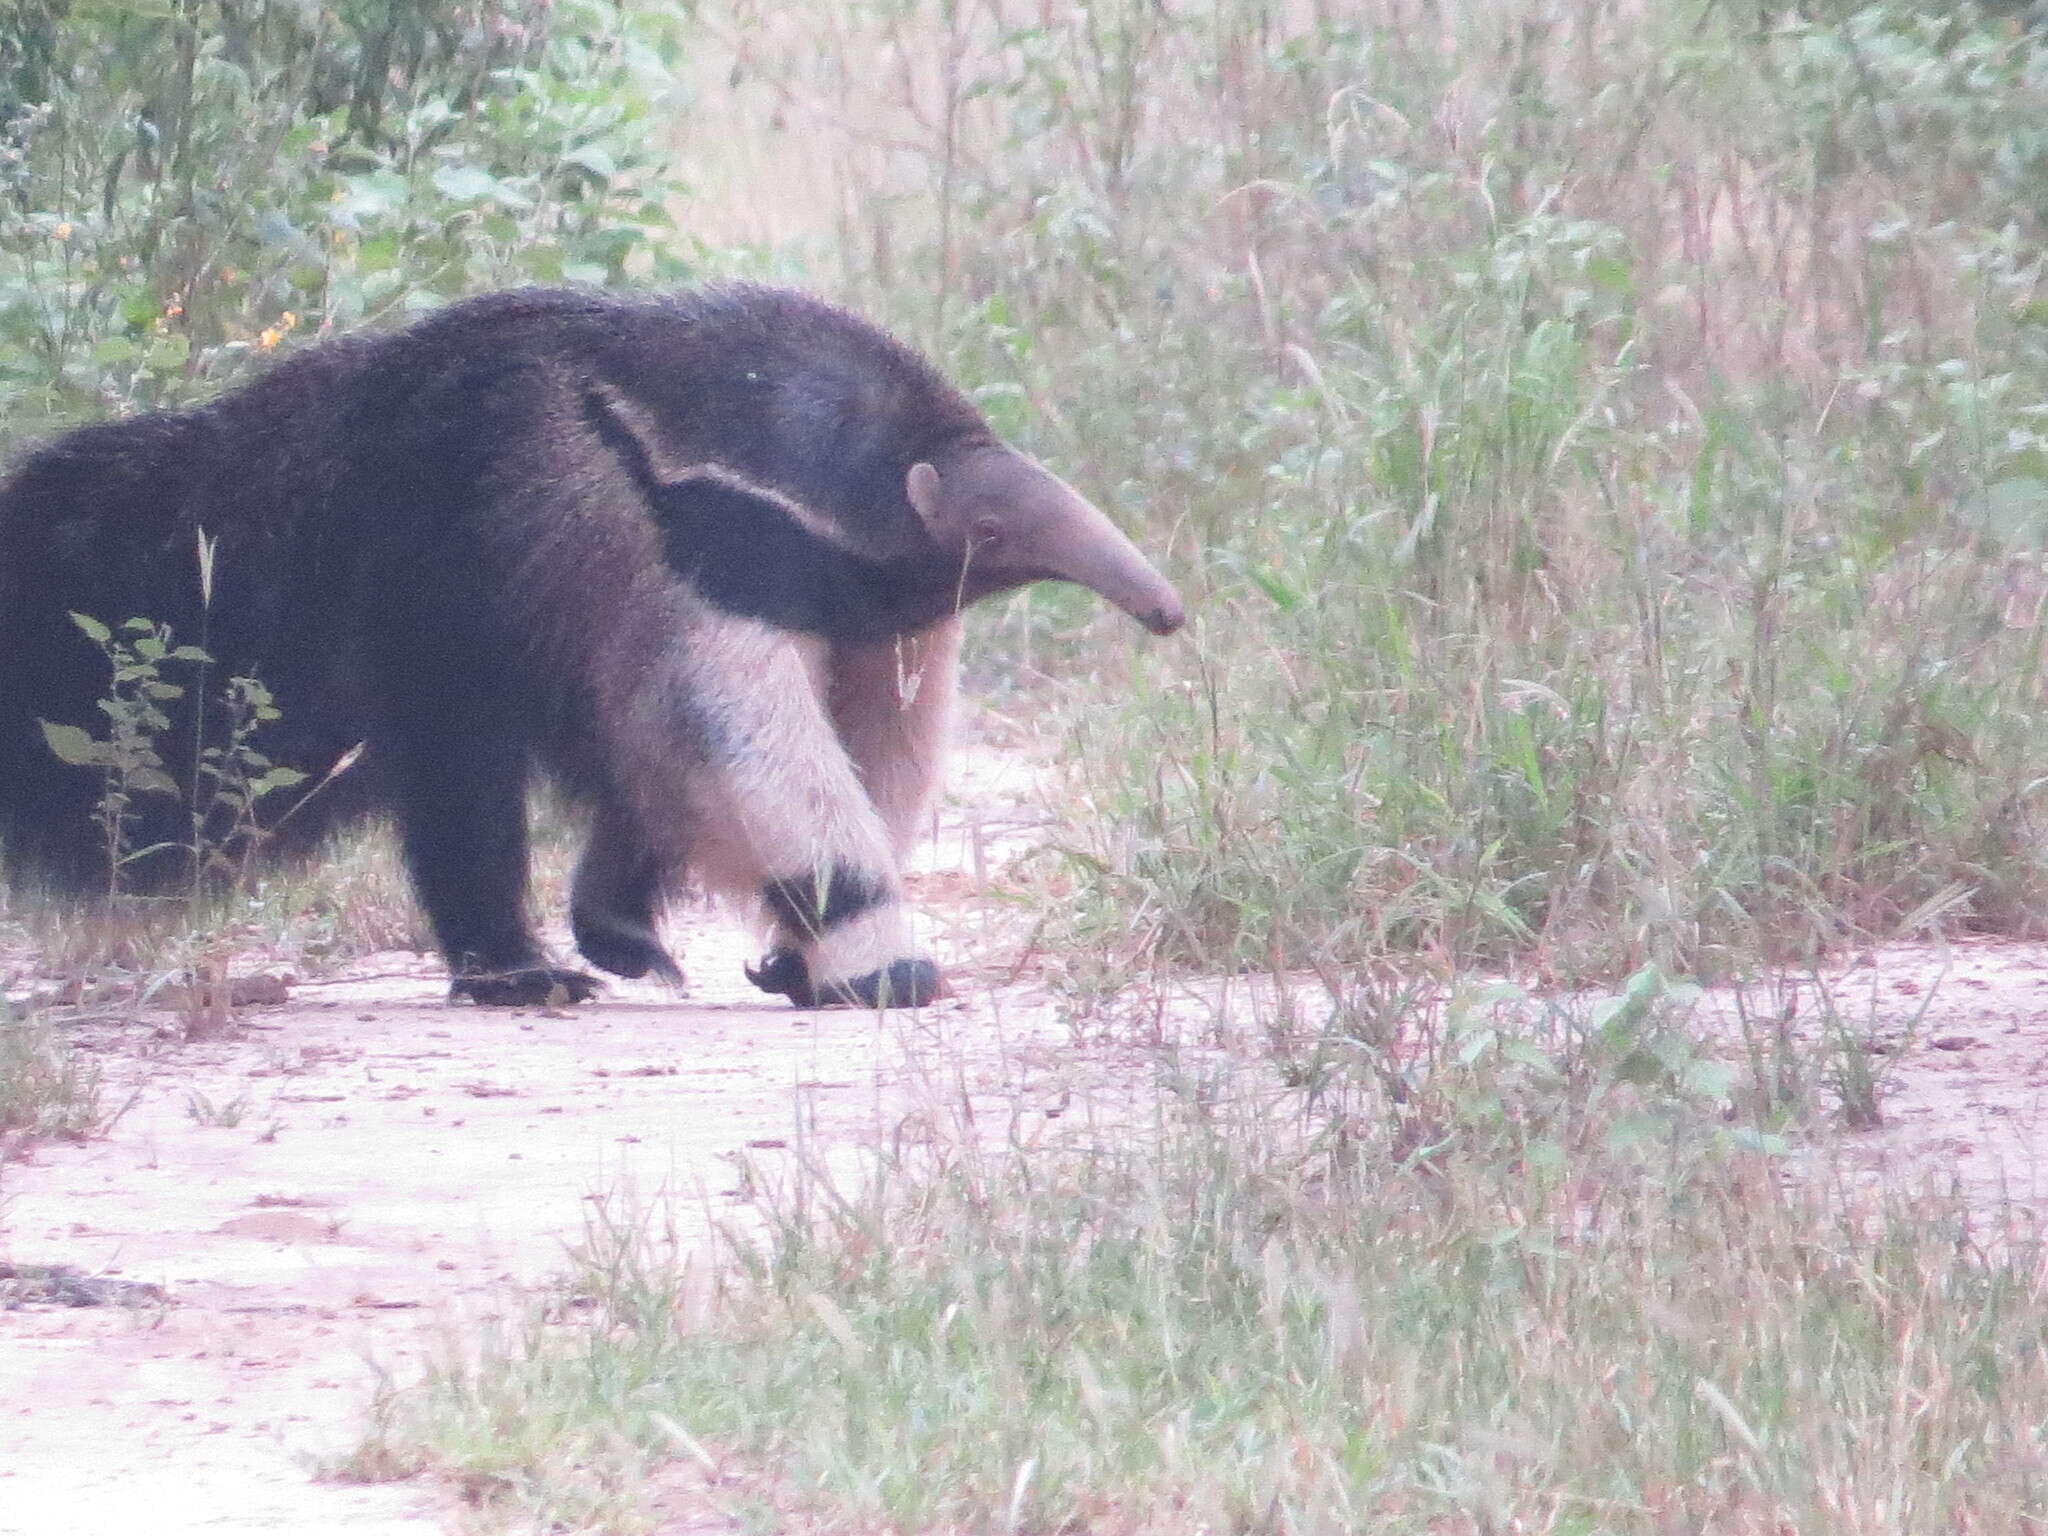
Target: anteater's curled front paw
(901, 984)
(626, 952)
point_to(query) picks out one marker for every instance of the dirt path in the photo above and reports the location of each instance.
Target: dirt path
(1961, 1033)
(324, 1194)
(396, 1166)
(357, 1172)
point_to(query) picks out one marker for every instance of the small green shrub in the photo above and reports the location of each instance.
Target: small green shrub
(229, 774)
(46, 1089)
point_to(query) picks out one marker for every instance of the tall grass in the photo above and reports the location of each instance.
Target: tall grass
(1605, 445)
(1549, 1287)
(47, 1090)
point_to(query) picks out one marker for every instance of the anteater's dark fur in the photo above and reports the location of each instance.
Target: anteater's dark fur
(447, 543)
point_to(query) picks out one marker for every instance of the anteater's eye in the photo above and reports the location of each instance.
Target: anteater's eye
(988, 534)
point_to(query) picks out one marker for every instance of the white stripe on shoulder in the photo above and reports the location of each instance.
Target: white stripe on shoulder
(673, 471)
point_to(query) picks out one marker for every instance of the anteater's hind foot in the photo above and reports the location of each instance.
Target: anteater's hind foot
(615, 899)
(532, 987)
(613, 947)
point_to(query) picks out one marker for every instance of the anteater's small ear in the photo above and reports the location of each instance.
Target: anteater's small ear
(921, 485)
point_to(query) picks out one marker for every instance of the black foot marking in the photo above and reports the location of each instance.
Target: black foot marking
(530, 988)
(904, 984)
(631, 955)
(807, 904)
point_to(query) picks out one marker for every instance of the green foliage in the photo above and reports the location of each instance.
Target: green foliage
(230, 775)
(46, 1090)
(186, 185)
(137, 721)
(1604, 448)
(202, 1110)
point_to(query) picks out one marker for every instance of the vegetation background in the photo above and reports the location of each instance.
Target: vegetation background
(1605, 443)
(1606, 447)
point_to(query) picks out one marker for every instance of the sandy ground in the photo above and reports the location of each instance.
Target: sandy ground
(324, 1192)
(1960, 1047)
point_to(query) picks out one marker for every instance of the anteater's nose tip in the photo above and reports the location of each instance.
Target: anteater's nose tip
(1164, 621)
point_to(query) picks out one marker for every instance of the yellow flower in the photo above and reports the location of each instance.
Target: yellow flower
(271, 337)
(64, 230)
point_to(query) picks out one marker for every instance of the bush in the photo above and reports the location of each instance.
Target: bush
(184, 187)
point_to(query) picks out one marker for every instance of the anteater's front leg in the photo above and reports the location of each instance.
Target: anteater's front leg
(892, 705)
(778, 816)
(457, 782)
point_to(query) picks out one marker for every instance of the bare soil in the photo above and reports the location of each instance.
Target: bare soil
(336, 1183)
(1959, 1037)
(324, 1192)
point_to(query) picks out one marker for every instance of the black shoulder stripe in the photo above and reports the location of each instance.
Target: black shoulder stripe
(751, 557)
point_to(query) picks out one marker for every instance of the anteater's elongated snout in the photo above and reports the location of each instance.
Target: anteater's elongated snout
(1020, 522)
(1164, 621)
(1084, 546)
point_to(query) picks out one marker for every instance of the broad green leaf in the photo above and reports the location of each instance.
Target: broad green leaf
(472, 184)
(595, 159)
(73, 745)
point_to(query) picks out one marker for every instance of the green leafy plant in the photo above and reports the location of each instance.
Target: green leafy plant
(233, 777)
(204, 1111)
(230, 776)
(185, 187)
(128, 754)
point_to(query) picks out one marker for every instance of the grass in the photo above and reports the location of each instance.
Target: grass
(1557, 1282)
(352, 901)
(1604, 446)
(46, 1089)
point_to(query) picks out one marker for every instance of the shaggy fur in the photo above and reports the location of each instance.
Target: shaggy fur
(684, 555)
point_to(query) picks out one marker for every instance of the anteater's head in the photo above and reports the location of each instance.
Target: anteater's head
(1010, 521)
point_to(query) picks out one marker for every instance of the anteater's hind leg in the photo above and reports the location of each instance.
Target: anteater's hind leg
(777, 813)
(458, 788)
(615, 897)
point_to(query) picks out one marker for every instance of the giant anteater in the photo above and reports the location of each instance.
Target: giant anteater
(699, 557)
